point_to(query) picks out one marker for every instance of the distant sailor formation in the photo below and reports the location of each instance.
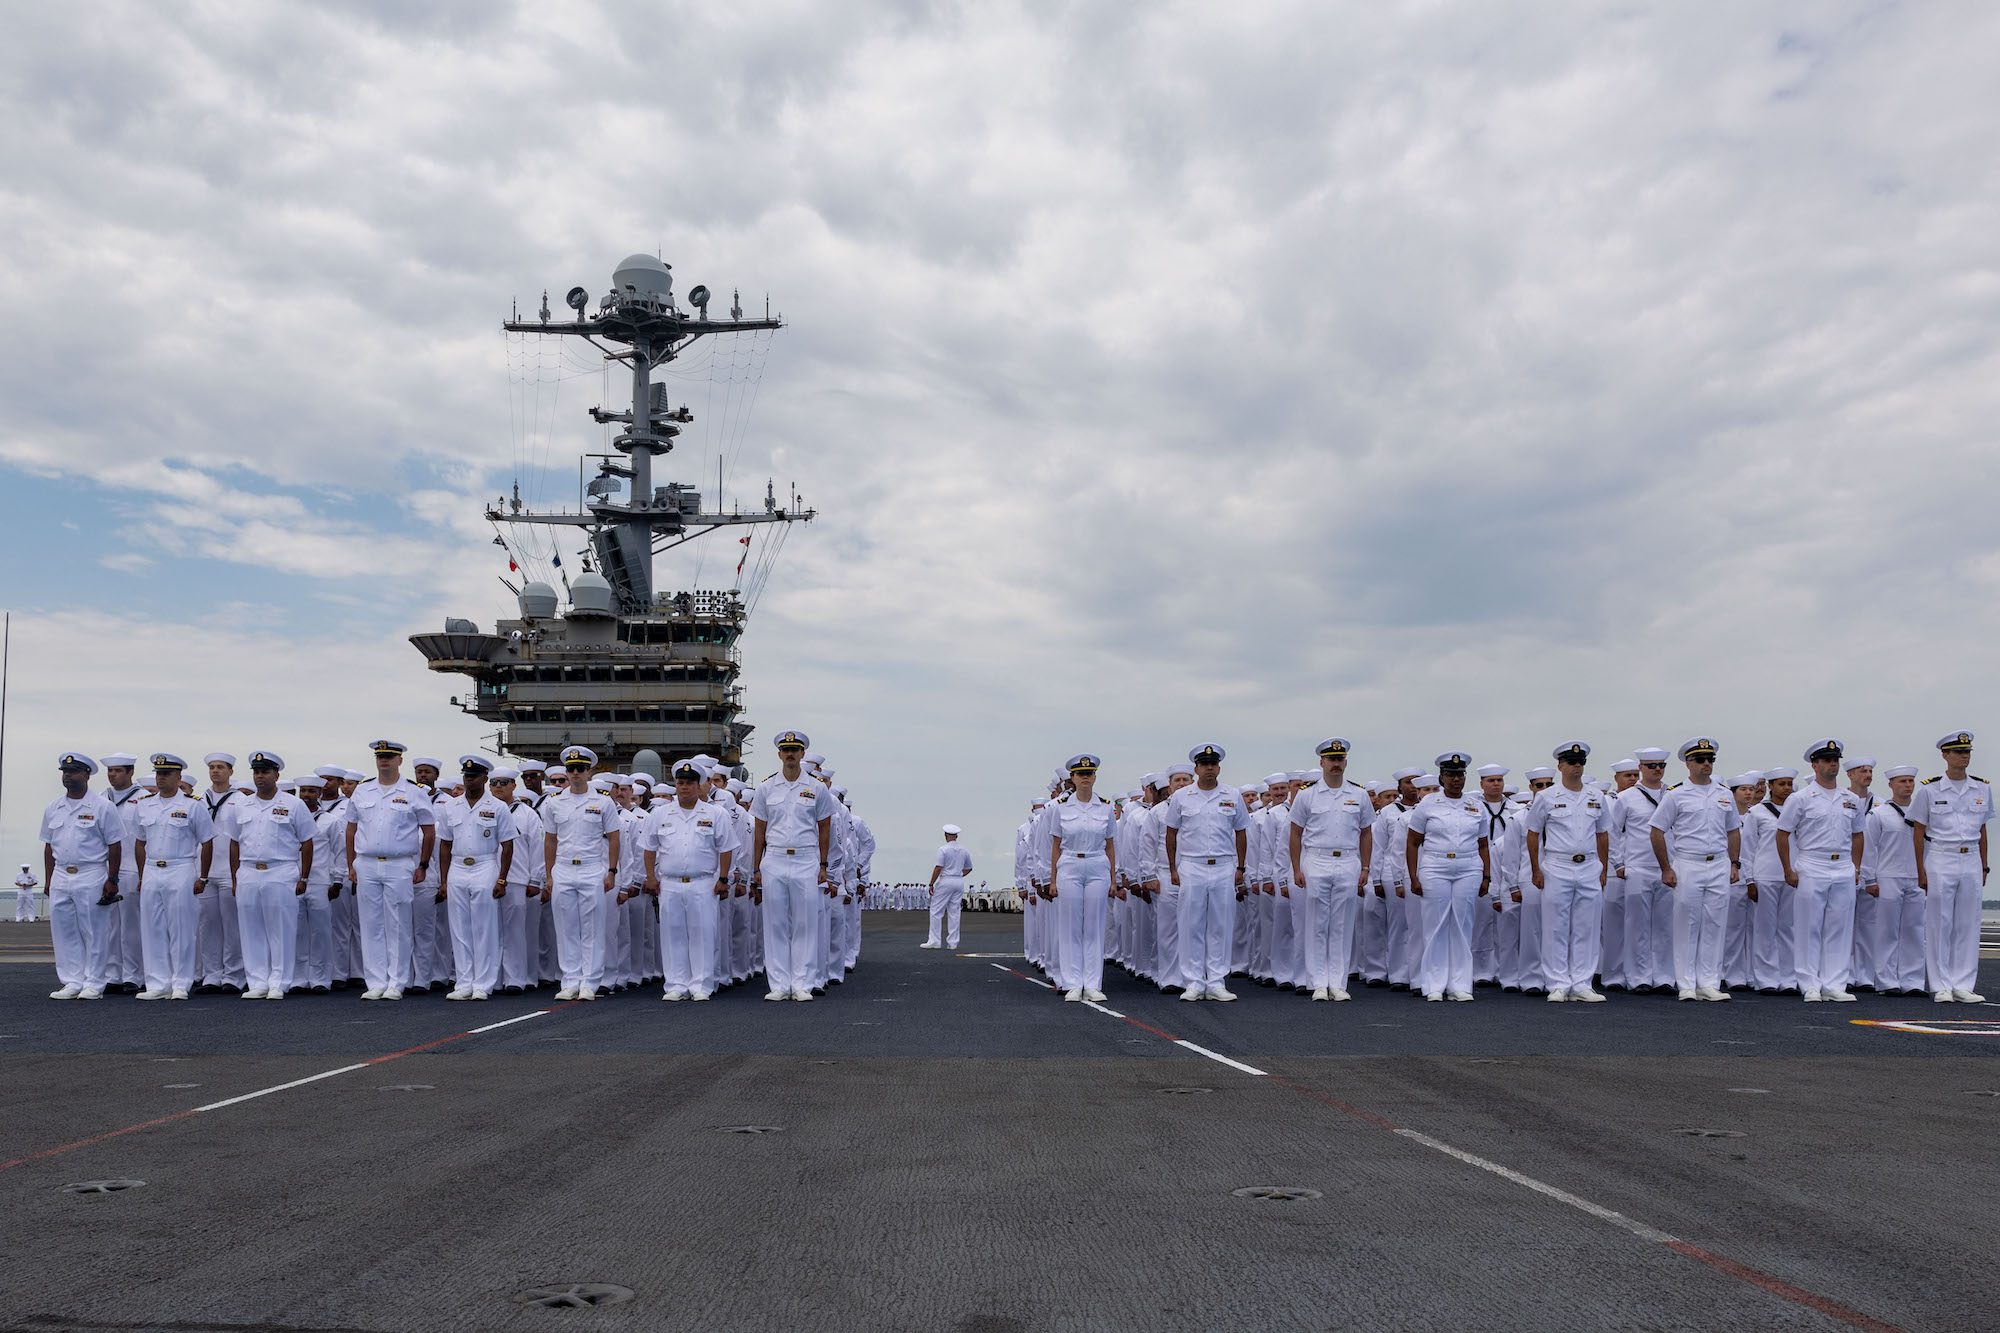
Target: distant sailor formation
(1444, 878)
(504, 880)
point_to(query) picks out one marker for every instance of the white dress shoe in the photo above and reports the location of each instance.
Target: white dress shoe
(1461, 996)
(802, 996)
(1190, 995)
(674, 995)
(699, 994)
(1095, 996)
(779, 995)
(1556, 997)
(1222, 993)
(586, 993)
(66, 993)
(1712, 993)
(1943, 997)
(371, 995)
(928, 945)
(1968, 997)
(1434, 997)
(274, 994)
(150, 994)
(180, 993)
(1320, 993)
(1073, 995)
(393, 993)
(460, 994)
(1341, 995)
(251, 995)
(1587, 995)
(566, 993)
(90, 993)
(1840, 996)
(1690, 995)
(1813, 997)
(482, 995)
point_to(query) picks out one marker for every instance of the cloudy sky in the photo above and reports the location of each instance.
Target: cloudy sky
(1439, 374)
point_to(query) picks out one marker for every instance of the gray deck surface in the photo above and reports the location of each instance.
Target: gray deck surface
(956, 1148)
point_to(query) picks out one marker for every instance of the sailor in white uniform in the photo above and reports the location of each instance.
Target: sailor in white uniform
(27, 895)
(1900, 933)
(1328, 846)
(1207, 847)
(793, 816)
(580, 853)
(688, 844)
(1083, 864)
(1820, 842)
(1738, 953)
(1950, 814)
(219, 959)
(1649, 904)
(1697, 846)
(124, 969)
(270, 861)
(475, 857)
(312, 943)
(947, 891)
(1451, 871)
(83, 850)
(391, 838)
(1774, 967)
(173, 846)
(1568, 838)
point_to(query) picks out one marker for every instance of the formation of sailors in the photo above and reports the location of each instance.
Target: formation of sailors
(506, 880)
(1441, 879)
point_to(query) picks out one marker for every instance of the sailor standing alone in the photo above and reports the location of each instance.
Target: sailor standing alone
(947, 890)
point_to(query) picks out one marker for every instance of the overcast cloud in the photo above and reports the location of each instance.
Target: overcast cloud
(1440, 374)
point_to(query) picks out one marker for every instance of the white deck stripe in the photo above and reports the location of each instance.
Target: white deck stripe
(265, 1092)
(1596, 1210)
(507, 1022)
(1219, 1059)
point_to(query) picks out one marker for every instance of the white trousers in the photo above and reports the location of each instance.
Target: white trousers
(791, 886)
(220, 957)
(1528, 914)
(1450, 897)
(1612, 965)
(347, 933)
(1701, 921)
(1951, 914)
(1371, 937)
(947, 900)
(1774, 960)
(1167, 970)
(1083, 904)
(423, 933)
(1572, 902)
(579, 905)
(312, 950)
(688, 916)
(1900, 934)
(1739, 937)
(383, 892)
(267, 917)
(168, 920)
(25, 903)
(1327, 939)
(1649, 929)
(122, 948)
(1866, 967)
(516, 967)
(79, 926)
(1411, 958)
(1823, 923)
(475, 923)
(1208, 916)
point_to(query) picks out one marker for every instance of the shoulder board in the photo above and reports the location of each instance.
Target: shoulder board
(1672, 786)
(1938, 778)
(1976, 778)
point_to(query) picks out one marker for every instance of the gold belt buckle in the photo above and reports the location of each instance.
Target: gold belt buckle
(790, 851)
(1833, 856)
(381, 858)
(161, 864)
(262, 865)
(470, 859)
(69, 870)
(687, 879)
(1451, 856)
(1338, 852)
(576, 860)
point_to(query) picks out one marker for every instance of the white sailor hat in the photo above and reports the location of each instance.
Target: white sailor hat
(1428, 780)
(1154, 780)
(1858, 761)
(1956, 740)
(1625, 766)
(1511, 789)
(330, 771)
(1207, 753)
(1453, 759)
(815, 758)
(310, 782)
(77, 759)
(1402, 773)
(1276, 777)
(1183, 770)
(119, 760)
(738, 785)
(1651, 754)
(354, 775)
(553, 771)
(167, 762)
(1038, 802)
(1581, 749)
(824, 772)
(603, 785)
(1539, 772)
(1085, 762)
(468, 762)
(840, 793)
(1255, 789)
(1901, 771)
(1136, 794)
(1332, 746)
(266, 759)
(1826, 747)
(387, 747)
(1372, 786)
(1780, 774)
(286, 784)
(424, 760)
(579, 756)
(952, 830)
(642, 779)
(1697, 747)
(1750, 779)
(1302, 775)
(620, 779)
(792, 740)
(219, 757)
(1493, 770)
(504, 773)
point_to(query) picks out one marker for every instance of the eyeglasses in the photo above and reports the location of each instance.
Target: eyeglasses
(1650, 764)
